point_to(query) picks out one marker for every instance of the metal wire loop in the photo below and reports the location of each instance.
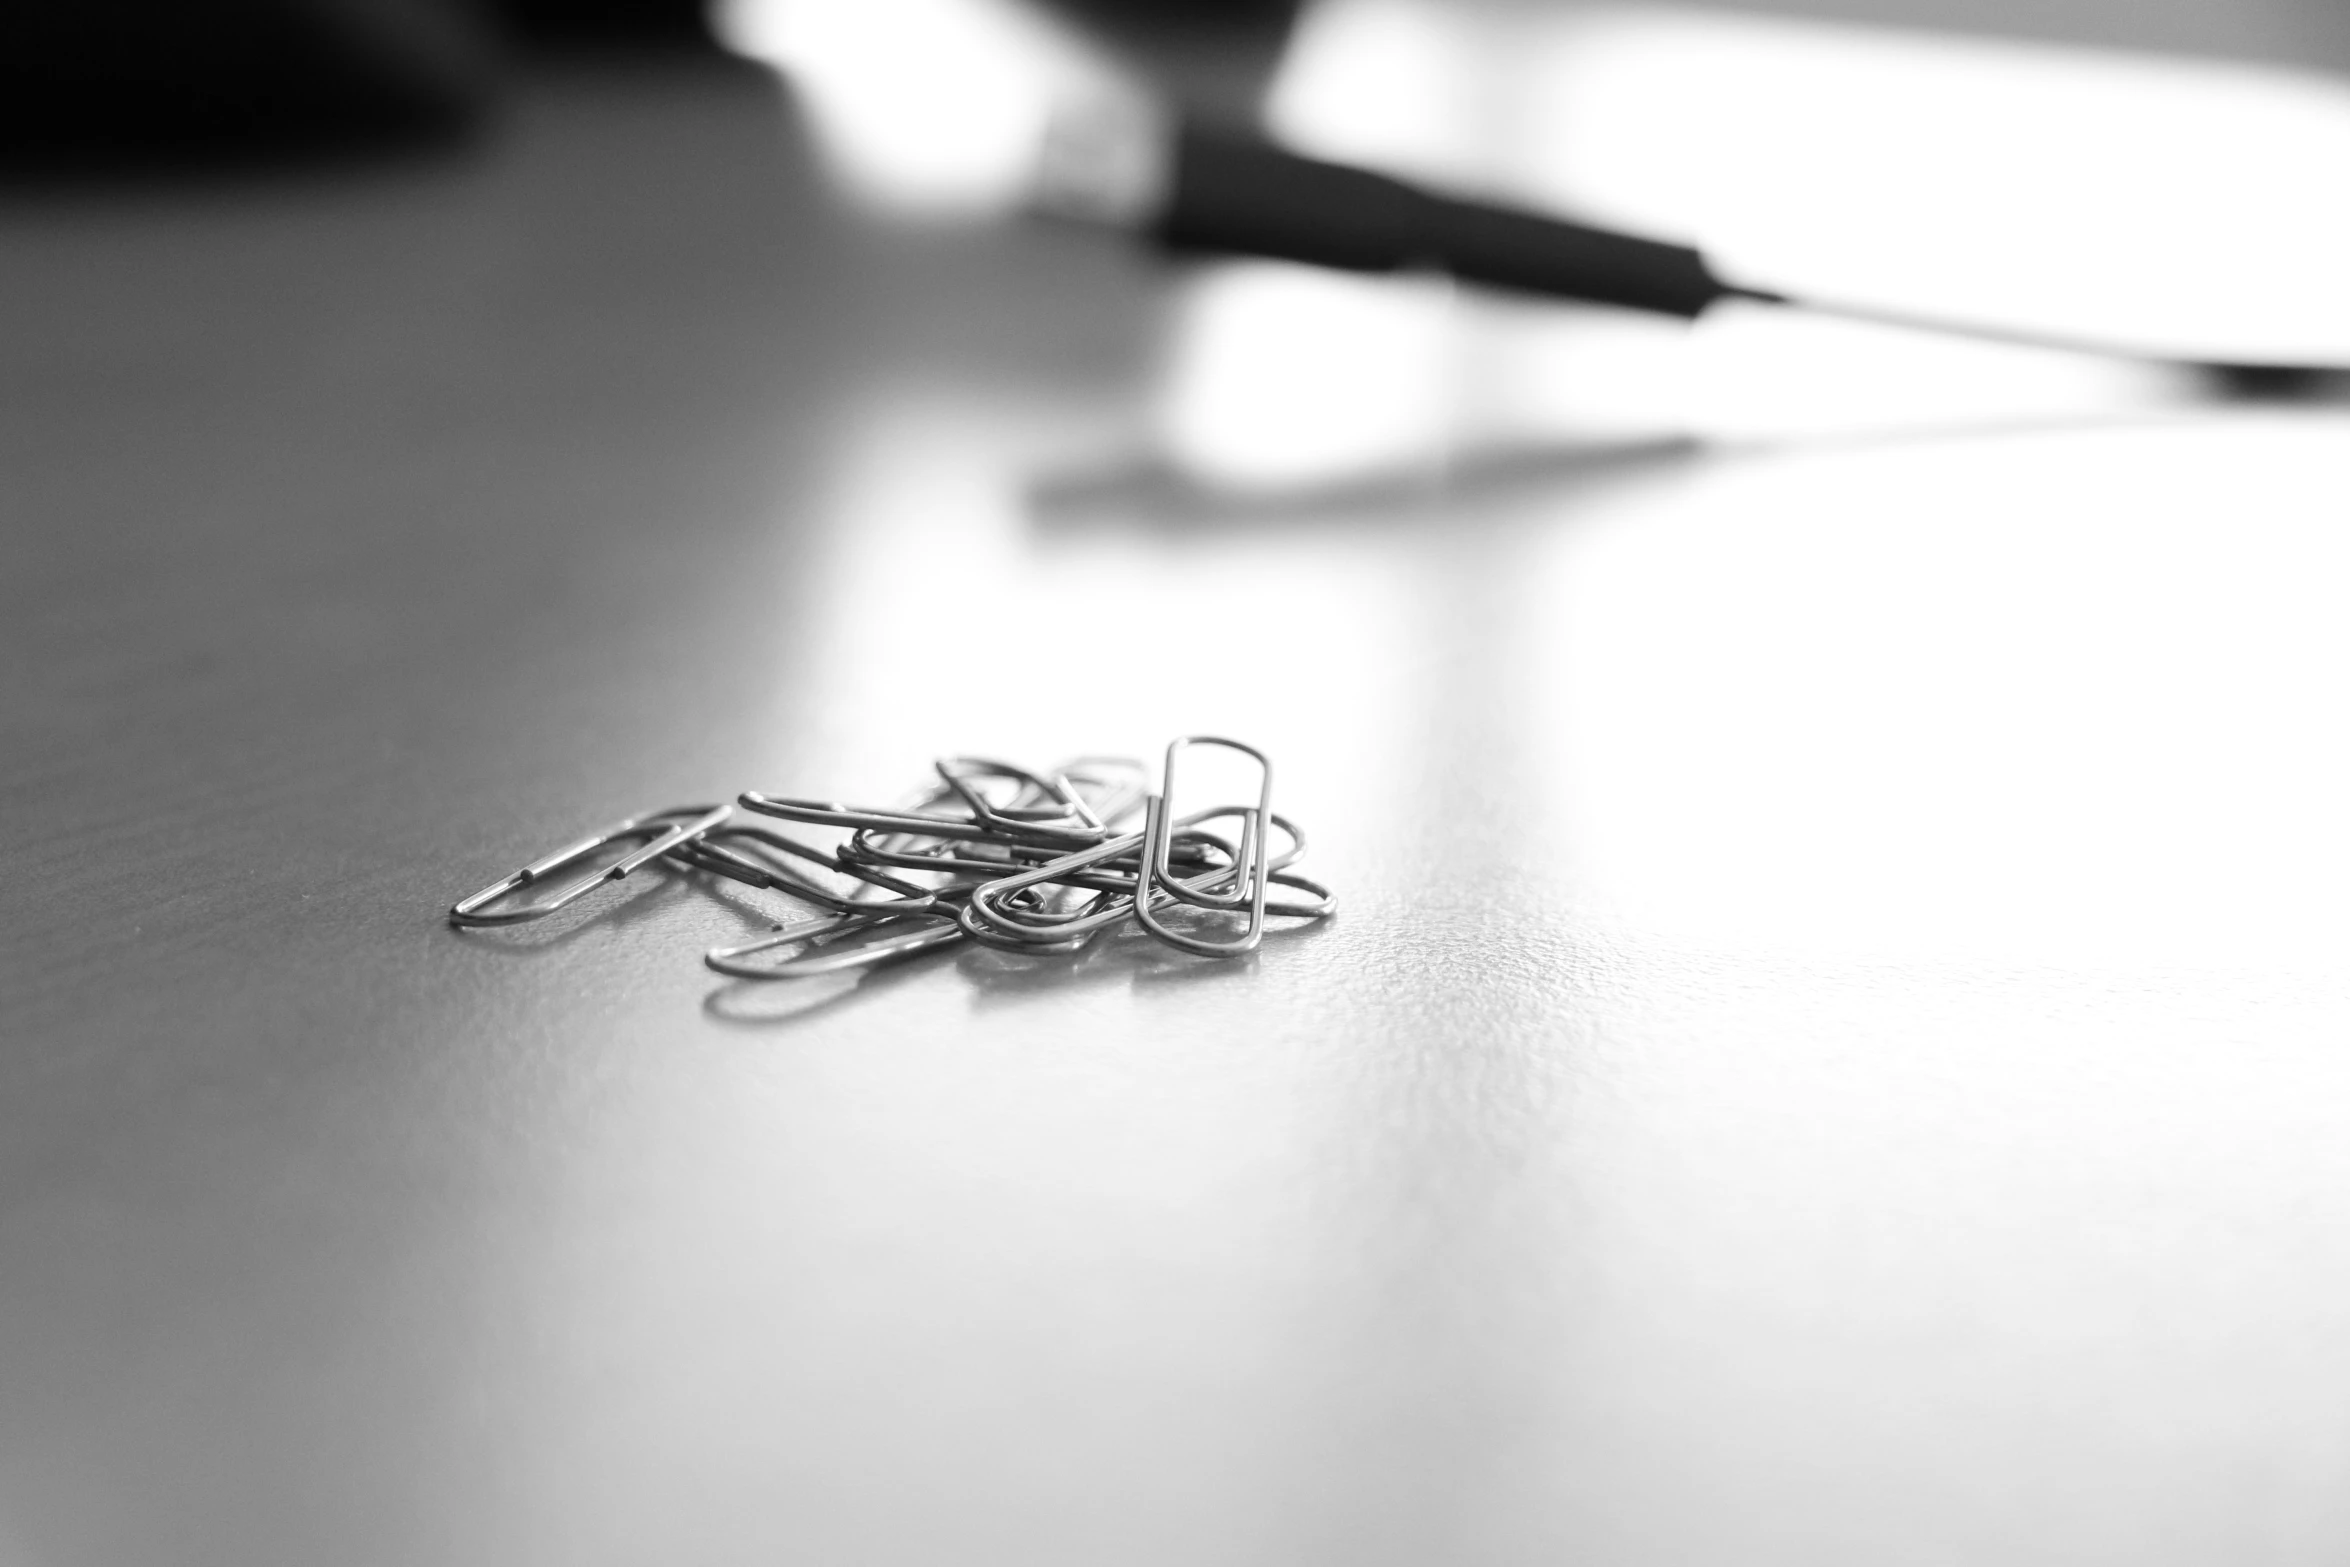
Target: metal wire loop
(1249, 890)
(842, 941)
(990, 852)
(659, 832)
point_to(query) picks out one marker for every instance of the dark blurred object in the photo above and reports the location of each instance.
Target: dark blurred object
(1222, 189)
(1183, 10)
(1232, 192)
(95, 80)
(1212, 57)
(101, 82)
(2277, 383)
(632, 22)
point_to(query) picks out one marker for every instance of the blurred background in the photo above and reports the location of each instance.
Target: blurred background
(1832, 1052)
(344, 337)
(2151, 175)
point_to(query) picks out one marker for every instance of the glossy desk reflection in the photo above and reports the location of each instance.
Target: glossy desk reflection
(1832, 1051)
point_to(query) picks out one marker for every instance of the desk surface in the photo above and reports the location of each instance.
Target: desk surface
(1834, 1049)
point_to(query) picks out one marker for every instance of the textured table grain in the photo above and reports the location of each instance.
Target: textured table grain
(1836, 1047)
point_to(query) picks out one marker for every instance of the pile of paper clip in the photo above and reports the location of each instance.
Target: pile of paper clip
(992, 853)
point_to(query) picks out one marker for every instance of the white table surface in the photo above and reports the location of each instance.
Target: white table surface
(1836, 1047)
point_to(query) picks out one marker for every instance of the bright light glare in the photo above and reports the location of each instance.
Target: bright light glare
(1396, 83)
(2174, 203)
(2153, 203)
(1954, 702)
(2170, 204)
(925, 106)
(1283, 377)
(2177, 204)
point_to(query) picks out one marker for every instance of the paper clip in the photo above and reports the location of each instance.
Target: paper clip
(661, 831)
(1027, 862)
(834, 944)
(1249, 887)
(762, 867)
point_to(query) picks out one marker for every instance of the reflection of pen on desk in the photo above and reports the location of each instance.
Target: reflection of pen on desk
(1196, 188)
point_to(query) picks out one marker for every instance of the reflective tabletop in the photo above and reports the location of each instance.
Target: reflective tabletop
(1832, 1048)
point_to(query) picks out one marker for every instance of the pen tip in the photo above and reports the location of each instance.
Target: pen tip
(2273, 383)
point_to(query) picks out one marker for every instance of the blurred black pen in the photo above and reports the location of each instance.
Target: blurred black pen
(1200, 188)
